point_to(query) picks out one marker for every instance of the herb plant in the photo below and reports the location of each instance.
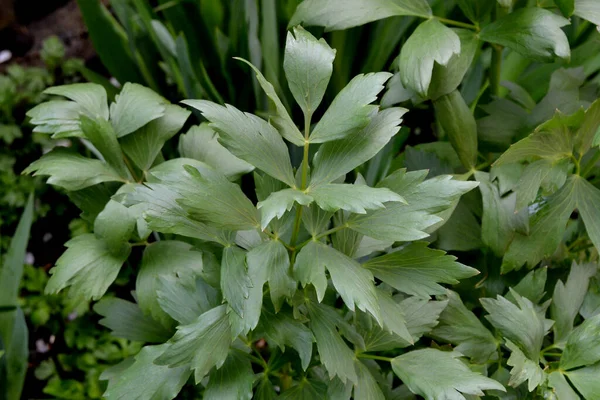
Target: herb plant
(324, 278)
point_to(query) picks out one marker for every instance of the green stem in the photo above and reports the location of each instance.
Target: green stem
(321, 235)
(590, 165)
(374, 357)
(495, 69)
(456, 23)
(304, 179)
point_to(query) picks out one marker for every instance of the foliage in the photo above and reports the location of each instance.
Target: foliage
(323, 275)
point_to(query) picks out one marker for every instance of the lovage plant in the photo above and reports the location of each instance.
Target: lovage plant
(297, 294)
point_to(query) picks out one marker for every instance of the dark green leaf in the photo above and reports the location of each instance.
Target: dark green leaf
(531, 31)
(307, 389)
(233, 380)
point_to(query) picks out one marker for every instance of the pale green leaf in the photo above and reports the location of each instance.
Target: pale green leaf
(590, 125)
(458, 123)
(531, 31)
(185, 297)
(272, 258)
(588, 9)
(145, 380)
(531, 286)
(281, 119)
(114, 224)
(392, 315)
(353, 282)
(436, 374)
(58, 117)
(145, 144)
(339, 157)
(202, 344)
(418, 270)
(523, 369)
(520, 323)
(366, 388)
(541, 173)
(354, 198)
(568, 298)
(88, 267)
(72, 171)
(90, 96)
(586, 381)
(351, 110)
(334, 354)
(278, 203)
(235, 281)
(200, 143)
(104, 138)
(248, 137)
(134, 107)
(342, 14)
(458, 325)
(564, 391)
(126, 320)
(233, 380)
(308, 65)
(281, 330)
(588, 202)
(166, 257)
(583, 345)
(432, 42)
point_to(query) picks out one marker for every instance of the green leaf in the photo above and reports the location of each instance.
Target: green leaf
(272, 257)
(588, 198)
(90, 96)
(532, 286)
(235, 282)
(350, 279)
(72, 171)
(278, 203)
(248, 137)
(445, 79)
(146, 380)
(339, 157)
(432, 42)
(58, 117)
(351, 110)
(342, 14)
(354, 198)
(498, 221)
(523, 369)
(308, 64)
(88, 267)
(134, 107)
(203, 344)
(586, 381)
(520, 323)
(335, 355)
(475, 9)
(566, 7)
(418, 270)
(546, 230)
(590, 127)
(305, 390)
(366, 387)
(281, 119)
(568, 298)
(436, 374)
(583, 345)
(392, 315)
(126, 320)
(211, 197)
(114, 224)
(461, 327)
(531, 31)
(166, 257)
(185, 297)
(233, 380)
(201, 143)
(145, 144)
(558, 382)
(281, 330)
(459, 124)
(541, 173)
(103, 137)
(588, 9)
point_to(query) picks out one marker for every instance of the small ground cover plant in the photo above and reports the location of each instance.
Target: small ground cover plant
(325, 279)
